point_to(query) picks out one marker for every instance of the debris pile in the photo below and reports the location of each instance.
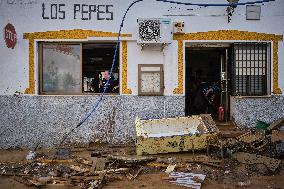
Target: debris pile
(62, 169)
(229, 161)
(263, 140)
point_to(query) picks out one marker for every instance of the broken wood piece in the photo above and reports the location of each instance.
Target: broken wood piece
(60, 179)
(249, 137)
(110, 171)
(276, 124)
(170, 168)
(231, 134)
(54, 161)
(35, 182)
(164, 165)
(64, 184)
(132, 177)
(79, 169)
(246, 158)
(205, 160)
(128, 159)
(84, 161)
(277, 136)
(84, 178)
(98, 164)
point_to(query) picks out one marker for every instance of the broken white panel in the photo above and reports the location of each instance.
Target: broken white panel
(187, 179)
(200, 124)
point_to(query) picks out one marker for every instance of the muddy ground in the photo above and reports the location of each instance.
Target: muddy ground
(228, 174)
(240, 159)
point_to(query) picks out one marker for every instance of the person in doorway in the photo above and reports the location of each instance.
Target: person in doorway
(210, 94)
(199, 102)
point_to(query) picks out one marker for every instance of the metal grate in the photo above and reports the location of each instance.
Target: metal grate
(249, 69)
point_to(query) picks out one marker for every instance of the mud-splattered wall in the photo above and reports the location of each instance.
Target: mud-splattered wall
(30, 120)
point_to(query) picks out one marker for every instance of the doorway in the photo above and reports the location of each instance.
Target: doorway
(206, 80)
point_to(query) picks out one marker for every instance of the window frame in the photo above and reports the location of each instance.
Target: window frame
(161, 72)
(40, 68)
(41, 92)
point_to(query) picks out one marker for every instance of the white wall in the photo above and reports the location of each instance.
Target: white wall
(26, 16)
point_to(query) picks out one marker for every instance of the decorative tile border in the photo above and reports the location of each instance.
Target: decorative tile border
(227, 35)
(179, 89)
(276, 88)
(61, 34)
(125, 89)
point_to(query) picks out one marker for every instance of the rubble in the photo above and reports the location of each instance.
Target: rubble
(277, 136)
(250, 138)
(247, 158)
(98, 164)
(132, 177)
(205, 160)
(131, 159)
(229, 160)
(63, 153)
(279, 147)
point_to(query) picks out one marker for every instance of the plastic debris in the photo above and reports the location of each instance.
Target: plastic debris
(190, 180)
(31, 155)
(93, 184)
(170, 168)
(244, 184)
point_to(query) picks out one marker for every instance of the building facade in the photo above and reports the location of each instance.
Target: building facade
(56, 57)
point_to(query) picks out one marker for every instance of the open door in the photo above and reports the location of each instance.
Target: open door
(223, 109)
(207, 80)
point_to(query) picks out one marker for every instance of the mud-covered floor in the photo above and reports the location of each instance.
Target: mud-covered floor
(229, 174)
(154, 181)
(240, 159)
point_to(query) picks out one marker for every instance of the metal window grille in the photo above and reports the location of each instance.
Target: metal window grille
(249, 69)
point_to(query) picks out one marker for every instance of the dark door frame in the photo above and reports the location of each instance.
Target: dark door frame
(225, 52)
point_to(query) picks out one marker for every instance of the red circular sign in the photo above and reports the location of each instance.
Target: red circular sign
(10, 36)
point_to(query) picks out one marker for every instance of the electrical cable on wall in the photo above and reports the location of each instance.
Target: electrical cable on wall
(106, 85)
(94, 108)
(214, 5)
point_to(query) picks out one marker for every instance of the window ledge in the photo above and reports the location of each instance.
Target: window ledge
(264, 96)
(86, 94)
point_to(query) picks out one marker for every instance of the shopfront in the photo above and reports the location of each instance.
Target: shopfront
(54, 70)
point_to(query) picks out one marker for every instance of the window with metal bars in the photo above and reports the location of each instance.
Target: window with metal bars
(250, 69)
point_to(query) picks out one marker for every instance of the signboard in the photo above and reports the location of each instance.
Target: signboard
(10, 36)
